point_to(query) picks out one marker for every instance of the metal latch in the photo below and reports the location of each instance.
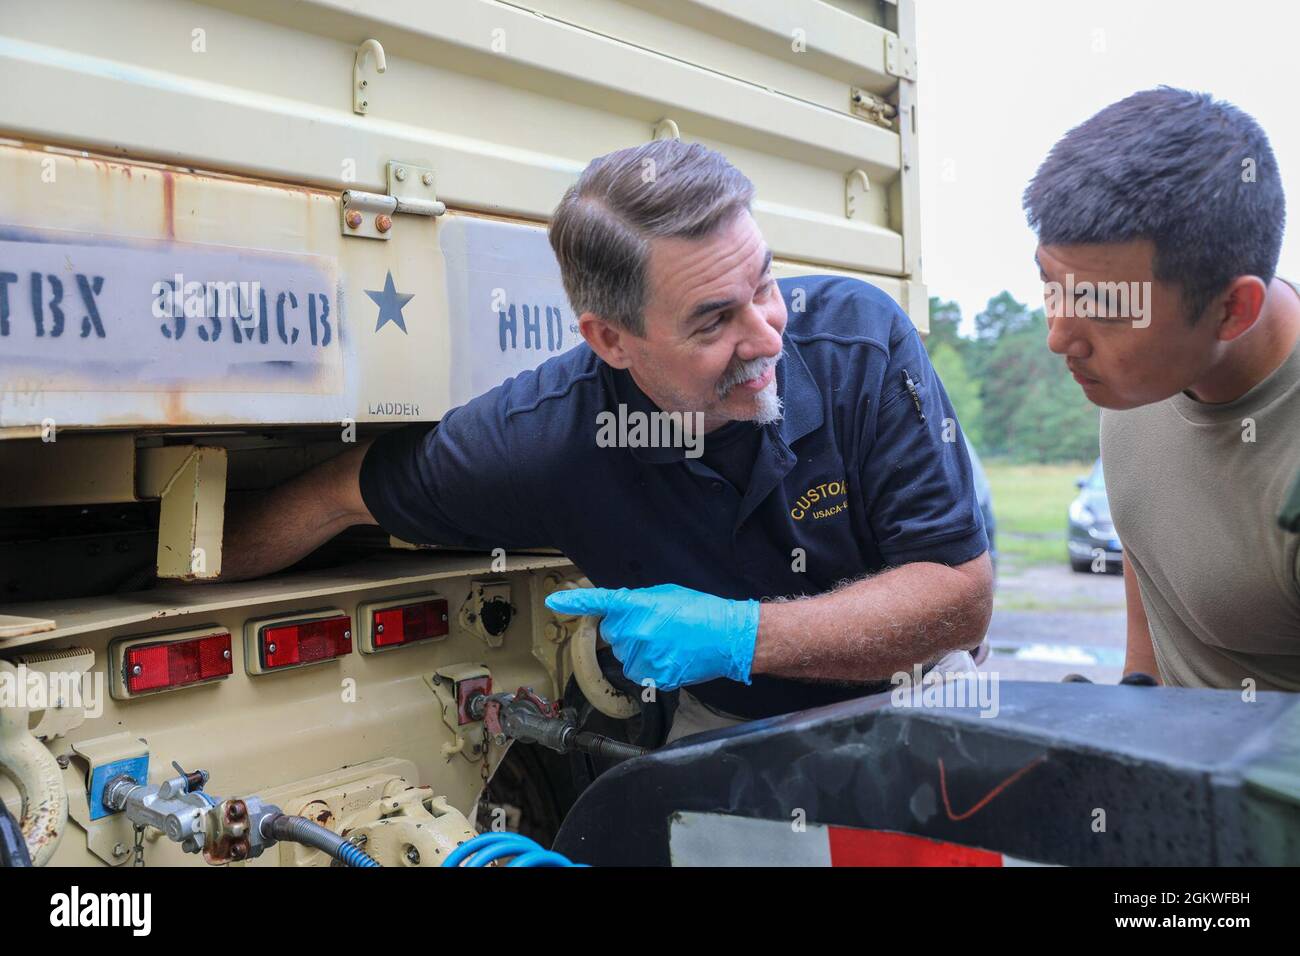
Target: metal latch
(370, 215)
(872, 107)
(900, 58)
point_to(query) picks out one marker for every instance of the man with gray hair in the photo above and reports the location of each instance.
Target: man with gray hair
(824, 537)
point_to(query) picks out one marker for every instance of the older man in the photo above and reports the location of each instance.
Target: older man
(811, 530)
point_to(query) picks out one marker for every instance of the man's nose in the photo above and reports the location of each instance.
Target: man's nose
(762, 333)
(1064, 338)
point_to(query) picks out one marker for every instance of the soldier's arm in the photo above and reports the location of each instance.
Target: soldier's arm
(274, 529)
(1140, 657)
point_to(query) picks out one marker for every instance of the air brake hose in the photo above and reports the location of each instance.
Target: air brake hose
(598, 745)
(297, 829)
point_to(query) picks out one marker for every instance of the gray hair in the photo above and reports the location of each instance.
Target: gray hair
(602, 228)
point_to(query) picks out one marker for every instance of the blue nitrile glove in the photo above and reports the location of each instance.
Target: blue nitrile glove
(670, 634)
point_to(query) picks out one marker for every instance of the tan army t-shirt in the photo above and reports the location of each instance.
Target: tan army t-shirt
(1194, 492)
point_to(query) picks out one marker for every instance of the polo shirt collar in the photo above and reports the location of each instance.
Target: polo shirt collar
(626, 392)
(800, 396)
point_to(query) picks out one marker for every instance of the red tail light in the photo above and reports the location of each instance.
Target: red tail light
(408, 623)
(304, 642)
(169, 664)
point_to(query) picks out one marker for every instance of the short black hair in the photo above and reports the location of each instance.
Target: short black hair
(1170, 166)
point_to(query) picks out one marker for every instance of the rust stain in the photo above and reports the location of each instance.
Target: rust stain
(173, 407)
(169, 204)
(988, 797)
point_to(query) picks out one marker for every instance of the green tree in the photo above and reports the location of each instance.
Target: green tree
(1055, 423)
(1006, 362)
(963, 391)
(1002, 316)
(945, 320)
(1012, 396)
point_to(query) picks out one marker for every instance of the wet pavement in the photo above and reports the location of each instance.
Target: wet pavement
(1049, 621)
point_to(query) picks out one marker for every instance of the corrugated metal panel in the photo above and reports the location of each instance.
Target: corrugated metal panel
(505, 103)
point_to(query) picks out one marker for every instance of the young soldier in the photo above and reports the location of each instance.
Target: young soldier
(1169, 203)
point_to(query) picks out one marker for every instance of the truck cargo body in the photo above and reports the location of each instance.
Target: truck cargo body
(231, 248)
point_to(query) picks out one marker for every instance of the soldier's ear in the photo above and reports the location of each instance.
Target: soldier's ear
(1242, 303)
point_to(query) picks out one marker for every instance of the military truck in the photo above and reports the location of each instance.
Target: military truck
(240, 238)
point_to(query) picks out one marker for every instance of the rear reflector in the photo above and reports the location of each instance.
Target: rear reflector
(720, 839)
(408, 623)
(169, 664)
(304, 642)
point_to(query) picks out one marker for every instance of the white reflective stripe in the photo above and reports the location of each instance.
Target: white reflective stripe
(717, 839)
(714, 839)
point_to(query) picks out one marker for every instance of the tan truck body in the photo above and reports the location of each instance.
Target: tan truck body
(160, 156)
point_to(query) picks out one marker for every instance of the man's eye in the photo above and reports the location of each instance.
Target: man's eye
(1089, 306)
(714, 325)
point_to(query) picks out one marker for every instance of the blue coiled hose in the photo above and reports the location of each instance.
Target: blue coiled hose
(351, 855)
(500, 848)
(486, 847)
(540, 857)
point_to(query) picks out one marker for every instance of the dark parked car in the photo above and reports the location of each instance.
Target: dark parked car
(1090, 533)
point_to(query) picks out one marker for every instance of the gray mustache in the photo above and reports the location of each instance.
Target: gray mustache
(746, 371)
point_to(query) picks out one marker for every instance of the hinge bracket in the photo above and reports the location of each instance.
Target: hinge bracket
(900, 58)
(370, 215)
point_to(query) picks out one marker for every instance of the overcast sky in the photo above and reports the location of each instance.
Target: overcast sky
(1001, 81)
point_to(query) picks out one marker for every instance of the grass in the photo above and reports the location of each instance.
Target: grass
(1029, 502)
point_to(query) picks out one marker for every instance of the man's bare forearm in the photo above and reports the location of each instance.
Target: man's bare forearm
(271, 530)
(874, 628)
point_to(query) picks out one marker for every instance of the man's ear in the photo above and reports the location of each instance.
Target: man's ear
(1242, 304)
(606, 339)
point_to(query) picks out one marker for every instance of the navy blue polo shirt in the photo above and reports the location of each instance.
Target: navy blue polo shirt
(855, 478)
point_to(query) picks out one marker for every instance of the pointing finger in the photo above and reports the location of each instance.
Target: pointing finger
(580, 601)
